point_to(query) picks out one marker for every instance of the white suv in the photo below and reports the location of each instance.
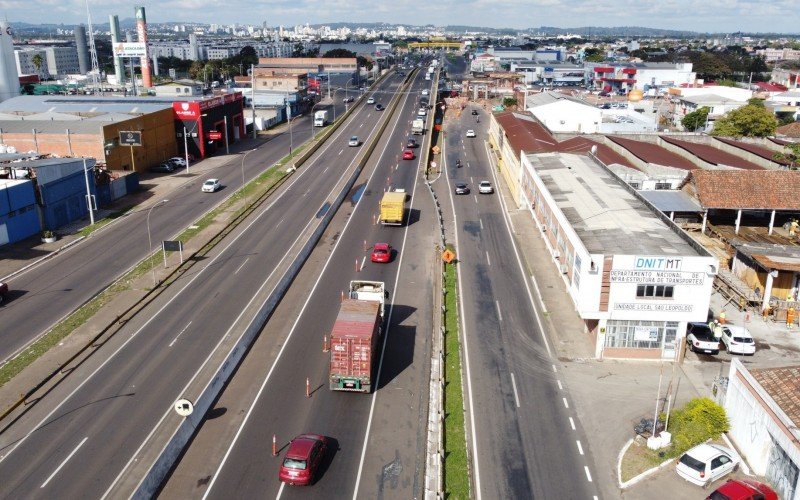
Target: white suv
(485, 187)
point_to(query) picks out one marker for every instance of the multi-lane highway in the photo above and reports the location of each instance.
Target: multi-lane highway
(98, 420)
(522, 436)
(379, 438)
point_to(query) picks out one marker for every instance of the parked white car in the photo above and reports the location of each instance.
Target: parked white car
(705, 463)
(738, 340)
(470, 133)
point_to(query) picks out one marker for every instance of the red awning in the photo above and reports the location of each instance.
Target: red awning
(629, 71)
(604, 69)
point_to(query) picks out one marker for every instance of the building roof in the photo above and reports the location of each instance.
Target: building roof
(653, 153)
(750, 147)
(81, 104)
(783, 386)
(788, 130)
(712, 155)
(668, 200)
(770, 87)
(771, 255)
(524, 133)
(748, 189)
(79, 126)
(703, 99)
(606, 215)
(604, 153)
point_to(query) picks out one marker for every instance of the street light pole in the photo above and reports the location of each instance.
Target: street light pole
(150, 240)
(89, 203)
(227, 150)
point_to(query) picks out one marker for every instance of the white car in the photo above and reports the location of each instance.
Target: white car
(354, 141)
(705, 463)
(371, 100)
(422, 112)
(470, 133)
(424, 91)
(178, 161)
(211, 185)
(485, 187)
(738, 340)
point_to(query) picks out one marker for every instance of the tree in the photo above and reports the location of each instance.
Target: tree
(593, 55)
(753, 120)
(790, 155)
(509, 102)
(696, 119)
(247, 56)
(709, 66)
(365, 63)
(339, 53)
(37, 61)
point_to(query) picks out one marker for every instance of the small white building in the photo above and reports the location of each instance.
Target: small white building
(763, 406)
(633, 275)
(564, 113)
(718, 106)
(786, 103)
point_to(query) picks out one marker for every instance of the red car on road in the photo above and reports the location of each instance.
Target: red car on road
(743, 489)
(381, 252)
(302, 459)
(408, 154)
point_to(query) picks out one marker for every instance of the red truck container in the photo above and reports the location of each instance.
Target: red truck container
(354, 345)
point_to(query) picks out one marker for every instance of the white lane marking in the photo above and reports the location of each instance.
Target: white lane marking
(572, 423)
(538, 293)
(476, 198)
(326, 169)
(280, 490)
(481, 221)
(341, 151)
(64, 462)
(580, 448)
(511, 231)
(560, 387)
(588, 474)
(471, 180)
(240, 267)
(566, 405)
(554, 368)
(499, 314)
(363, 260)
(514, 386)
(279, 222)
(488, 259)
(179, 334)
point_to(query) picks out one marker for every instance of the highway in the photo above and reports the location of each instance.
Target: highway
(371, 458)
(105, 411)
(522, 434)
(48, 292)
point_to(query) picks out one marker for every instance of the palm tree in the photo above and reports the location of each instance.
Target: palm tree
(37, 61)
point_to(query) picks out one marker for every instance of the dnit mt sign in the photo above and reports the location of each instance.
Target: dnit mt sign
(130, 138)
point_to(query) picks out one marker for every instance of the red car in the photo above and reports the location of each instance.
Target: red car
(408, 154)
(743, 489)
(381, 252)
(302, 459)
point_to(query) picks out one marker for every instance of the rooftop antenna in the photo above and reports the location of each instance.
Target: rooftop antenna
(95, 72)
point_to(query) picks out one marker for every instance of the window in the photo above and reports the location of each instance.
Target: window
(655, 291)
(624, 334)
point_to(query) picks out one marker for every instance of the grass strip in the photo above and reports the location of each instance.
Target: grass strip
(456, 477)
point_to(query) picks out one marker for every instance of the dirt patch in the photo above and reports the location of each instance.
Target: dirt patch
(639, 458)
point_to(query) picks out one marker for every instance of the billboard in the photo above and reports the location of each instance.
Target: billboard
(186, 110)
(134, 49)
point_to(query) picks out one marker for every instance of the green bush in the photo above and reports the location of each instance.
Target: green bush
(698, 421)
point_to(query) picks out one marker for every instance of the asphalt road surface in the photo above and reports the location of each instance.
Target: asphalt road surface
(102, 414)
(379, 438)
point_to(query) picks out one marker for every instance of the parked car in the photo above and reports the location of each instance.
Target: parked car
(211, 186)
(302, 459)
(462, 188)
(701, 339)
(371, 100)
(705, 463)
(738, 340)
(408, 154)
(743, 489)
(178, 161)
(470, 133)
(348, 99)
(164, 166)
(485, 187)
(422, 112)
(381, 252)
(354, 141)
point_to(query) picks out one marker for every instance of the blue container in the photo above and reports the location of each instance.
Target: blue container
(20, 195)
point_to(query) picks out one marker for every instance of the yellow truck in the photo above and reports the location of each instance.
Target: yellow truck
(393, 207)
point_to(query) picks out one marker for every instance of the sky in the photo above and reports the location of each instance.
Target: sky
(715, 16)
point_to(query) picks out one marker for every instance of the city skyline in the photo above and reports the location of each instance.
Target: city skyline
(716, 16)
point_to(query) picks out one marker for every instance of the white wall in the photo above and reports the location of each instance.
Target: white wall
(568, 116)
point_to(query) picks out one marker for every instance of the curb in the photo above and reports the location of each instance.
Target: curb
(42, 259)
(630, 482)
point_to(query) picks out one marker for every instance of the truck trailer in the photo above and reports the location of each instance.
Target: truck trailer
(354, 338)
(418, 127)
(321, 118)
(393, 207)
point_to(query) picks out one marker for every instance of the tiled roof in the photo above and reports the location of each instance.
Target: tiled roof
(748, 189)
(712, 155)
(789, 130)
(604, 153)
(653, 153)
(752, 148)
(783, 386)
(524, 134)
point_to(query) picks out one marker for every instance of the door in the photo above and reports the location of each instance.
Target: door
(720, 466)
(668, 350)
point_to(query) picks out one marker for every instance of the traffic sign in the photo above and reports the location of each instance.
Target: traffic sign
(184, 407)
(448, 256)
(130, 138)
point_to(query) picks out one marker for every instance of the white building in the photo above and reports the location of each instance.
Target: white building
(568, 115)
(25, 65)
(786, 103)
(763, 406)
(55, 61)
(642, 76)
(718, 106)
(635, 277)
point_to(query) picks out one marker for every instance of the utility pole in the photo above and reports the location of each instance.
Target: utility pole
(253, 100)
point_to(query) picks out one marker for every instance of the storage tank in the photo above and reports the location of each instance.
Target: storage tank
(83, 51)
(9, 77)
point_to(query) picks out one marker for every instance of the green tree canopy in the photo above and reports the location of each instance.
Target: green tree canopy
(709, 66)
(339, 53)
(364, 63)
(753, 120)
(696, 119)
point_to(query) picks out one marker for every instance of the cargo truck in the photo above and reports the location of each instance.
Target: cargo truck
(393, 208)
(354, 337)
(418, 127)
(321, 118)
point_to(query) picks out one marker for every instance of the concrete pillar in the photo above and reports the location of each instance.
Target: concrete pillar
(738, 221)
(771, 222)
(705, 217)
(768, 289)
